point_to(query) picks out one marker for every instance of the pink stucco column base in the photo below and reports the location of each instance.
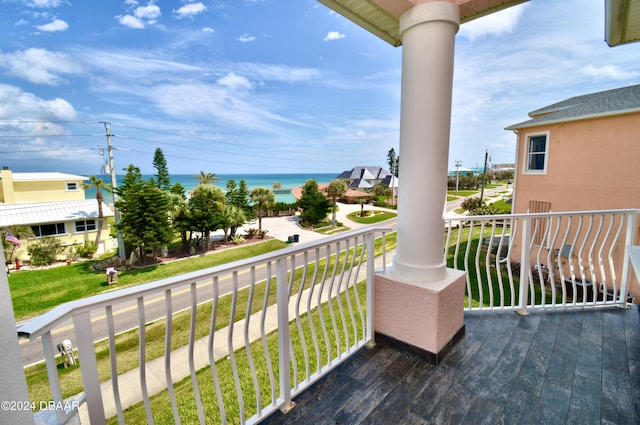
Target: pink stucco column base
(428, 316)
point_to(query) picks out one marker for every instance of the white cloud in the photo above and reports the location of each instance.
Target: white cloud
(333, 35)
(246, 38)
(609, 72)
(55, 25)
(233, 81)
(141, 17)
(39, 66)
(44, 3)
(189, 10)
(150, 13)
(497, 23)
(131, 21)
(18, 104)
(273, 72)
(208, 29)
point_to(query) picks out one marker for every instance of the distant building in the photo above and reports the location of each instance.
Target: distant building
(51, 204)
(366, 177)
(496, 168)
(462, 171)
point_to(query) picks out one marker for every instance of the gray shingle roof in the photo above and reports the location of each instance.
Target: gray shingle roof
(361, 176)
(611, 102)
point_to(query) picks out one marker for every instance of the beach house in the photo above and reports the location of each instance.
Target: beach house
(51, 204)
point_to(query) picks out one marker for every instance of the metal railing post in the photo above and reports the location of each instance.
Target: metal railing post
(89, 367)
(52, 373)
(525, 265)
(371, 259)
(626, 275)
(284, 339)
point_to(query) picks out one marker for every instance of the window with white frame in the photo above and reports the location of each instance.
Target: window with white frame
(51, 229)
(536, 153)
(85, 226)
(72, 186)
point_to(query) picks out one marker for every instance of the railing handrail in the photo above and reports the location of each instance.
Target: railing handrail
(544, 214)
(45, 322)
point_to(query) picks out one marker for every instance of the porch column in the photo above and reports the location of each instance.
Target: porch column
(418, 301)
(428, 32)
(13, 384)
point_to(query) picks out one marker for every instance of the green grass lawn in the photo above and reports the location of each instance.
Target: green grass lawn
(502, 206)
(463, 193)
(377, 217)
(36, 291)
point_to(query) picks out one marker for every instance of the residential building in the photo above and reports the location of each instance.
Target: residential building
(366, 177)
(40, 187)
(51, 204)
(580, 154)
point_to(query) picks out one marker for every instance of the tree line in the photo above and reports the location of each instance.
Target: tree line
(153, 212)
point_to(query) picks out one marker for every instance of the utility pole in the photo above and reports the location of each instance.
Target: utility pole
(484, 171)
(114, 184)
(458, 164)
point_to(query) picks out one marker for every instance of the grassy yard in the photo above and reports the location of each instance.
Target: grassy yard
(36, 291)
(463, 193)
(375, 217)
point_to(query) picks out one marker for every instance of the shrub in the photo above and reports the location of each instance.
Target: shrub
(86, 250)
(262, 233)
(251, 233)
(237, 239)
(45, 251)
(470, 204)
(485, 210)
(283, 206)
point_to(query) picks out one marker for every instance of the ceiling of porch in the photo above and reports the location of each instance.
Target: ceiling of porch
(381, 17)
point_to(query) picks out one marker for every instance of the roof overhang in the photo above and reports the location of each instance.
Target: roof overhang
(622, 21)
(382, 17)
(536, 123)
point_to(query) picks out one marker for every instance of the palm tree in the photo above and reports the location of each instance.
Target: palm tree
(336, 189)
(264, 198)
(98, 184)
(206, 178)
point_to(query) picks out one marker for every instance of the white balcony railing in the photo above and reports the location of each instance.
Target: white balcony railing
(287, 319)
(276, 323)
(551, 260)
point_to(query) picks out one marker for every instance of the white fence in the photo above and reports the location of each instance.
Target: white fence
(259, 331)
(550, 260)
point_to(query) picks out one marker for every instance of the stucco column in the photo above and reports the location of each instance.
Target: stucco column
(418, 301)
(428, 37)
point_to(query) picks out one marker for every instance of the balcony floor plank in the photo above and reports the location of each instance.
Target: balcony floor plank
(574, 367)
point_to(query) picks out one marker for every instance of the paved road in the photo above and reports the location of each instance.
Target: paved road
(125, 314)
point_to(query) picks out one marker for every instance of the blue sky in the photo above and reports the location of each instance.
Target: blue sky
(270, 86)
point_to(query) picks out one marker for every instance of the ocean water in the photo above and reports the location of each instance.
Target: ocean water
(287, 182)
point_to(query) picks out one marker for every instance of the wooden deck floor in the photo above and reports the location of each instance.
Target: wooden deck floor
(573, 367)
